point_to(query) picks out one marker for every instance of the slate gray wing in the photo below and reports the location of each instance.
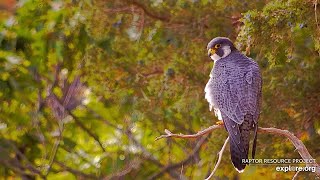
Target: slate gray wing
(238, 99)
(240, 92)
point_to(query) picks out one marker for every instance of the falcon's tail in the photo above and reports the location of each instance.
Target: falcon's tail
(255, 140)
(239, 141)
(236, 157)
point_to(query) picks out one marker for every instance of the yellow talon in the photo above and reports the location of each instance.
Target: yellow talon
(219, 123)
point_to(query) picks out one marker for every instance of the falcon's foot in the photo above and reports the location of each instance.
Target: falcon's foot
(219, 123)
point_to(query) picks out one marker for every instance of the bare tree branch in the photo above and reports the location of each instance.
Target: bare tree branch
(79, 155)
(295, 175)
(189, 136)
(315, 12)
(300, 147)
(74, 171)
(62, 108)
(145, 153)
(87, 130)
(55, 148)
(298, 144)
(186, 161)
(134, 164)
(220, 153)
(16, 163)
(17, 168)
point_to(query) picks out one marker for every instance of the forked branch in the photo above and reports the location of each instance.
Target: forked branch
(300, 147)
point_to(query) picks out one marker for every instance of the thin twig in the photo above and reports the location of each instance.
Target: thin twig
(17, 168)
(74, 171)
(21, 155)
(55, 148)
(145, 153)
(295, 175)
(87, 130)
(219, 159)
(183, 162)
(134, 164)
(79, 155)
(315, 12)
(189, 136)
(33, 170)
(99, 117)
(181, 171)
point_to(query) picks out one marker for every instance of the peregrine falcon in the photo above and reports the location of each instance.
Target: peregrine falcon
(234, 92)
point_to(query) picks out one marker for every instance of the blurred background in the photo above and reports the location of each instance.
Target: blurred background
(87, 85)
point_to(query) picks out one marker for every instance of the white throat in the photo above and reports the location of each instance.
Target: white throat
(226, 52)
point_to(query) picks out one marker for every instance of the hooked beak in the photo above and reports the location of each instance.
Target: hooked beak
(211, 52)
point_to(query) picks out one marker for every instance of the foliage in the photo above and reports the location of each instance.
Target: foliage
(87, 85)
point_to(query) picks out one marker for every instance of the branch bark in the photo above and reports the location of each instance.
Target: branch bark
(219, 159)
(298, 144)
(190, 136)
(300, 147)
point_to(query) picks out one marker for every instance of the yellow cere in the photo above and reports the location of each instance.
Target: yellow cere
(212, 51)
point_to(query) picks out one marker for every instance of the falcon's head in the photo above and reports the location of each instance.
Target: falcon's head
(219, 47)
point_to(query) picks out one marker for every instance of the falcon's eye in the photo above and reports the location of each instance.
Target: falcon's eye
(217, 46)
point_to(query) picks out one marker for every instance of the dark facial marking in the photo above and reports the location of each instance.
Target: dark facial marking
(220, 52)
